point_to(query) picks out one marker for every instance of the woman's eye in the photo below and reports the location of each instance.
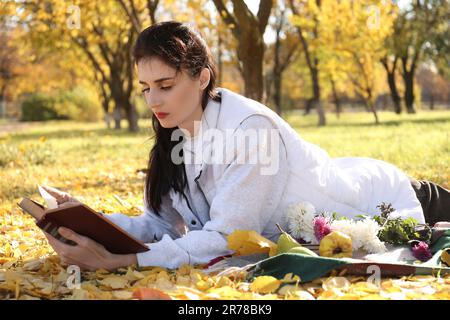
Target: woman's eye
(166, 88)
(145, 90)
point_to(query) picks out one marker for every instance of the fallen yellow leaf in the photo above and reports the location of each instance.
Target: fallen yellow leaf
(246, 242)
(265, 284)
(114, 282)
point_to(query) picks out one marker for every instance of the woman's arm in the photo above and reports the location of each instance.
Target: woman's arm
(148, 227)
(245, 199)
(90, 255)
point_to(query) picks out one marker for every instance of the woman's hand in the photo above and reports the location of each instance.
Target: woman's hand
(60, 196)
(87, 254)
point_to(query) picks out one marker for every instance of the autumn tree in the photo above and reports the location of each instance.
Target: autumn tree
(248, 29)
(391, 61)
(417, 26)
(28, 68)
(104, 35)
(8, 67)
(306, 18)
(358, 35)
(281, 54)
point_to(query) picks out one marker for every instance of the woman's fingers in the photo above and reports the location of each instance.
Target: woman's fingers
(75, 237)
(67, 261)
(82, 241)
(71, 255)
(87, 254)
(60, 196)
(55, 243)
(54, 192)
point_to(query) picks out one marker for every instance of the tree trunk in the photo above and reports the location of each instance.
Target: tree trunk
(316, 102)
(117, 117)
(394, 92)
(251, 53)
(2, 105)
(277, 93)
(122, 100)
(371, 106)
(408, 78)
(431, 101)
(336, 100)
(390, 73)
(277, 69)
(107, 119)
(107, 114)
(313, 67)
(3, 101)
(219, 60)
(151, 7)
(248, 29)
(132, 117)
(309, 106)
(370, 103)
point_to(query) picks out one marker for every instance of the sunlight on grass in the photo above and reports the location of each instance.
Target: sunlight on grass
(101, 167)
(92, 162)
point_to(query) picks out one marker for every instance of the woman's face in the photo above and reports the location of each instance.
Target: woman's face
(174, 97)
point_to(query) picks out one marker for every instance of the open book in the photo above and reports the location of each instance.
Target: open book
(84, 221)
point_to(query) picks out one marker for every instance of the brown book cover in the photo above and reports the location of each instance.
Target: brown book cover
(84, 221)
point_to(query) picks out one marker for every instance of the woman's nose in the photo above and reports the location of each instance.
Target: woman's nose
(153, 100)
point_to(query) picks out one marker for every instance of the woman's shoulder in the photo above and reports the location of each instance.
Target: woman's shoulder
(238, 111)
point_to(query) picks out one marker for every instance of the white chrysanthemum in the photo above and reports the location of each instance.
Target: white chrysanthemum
(375, 246)
(344, 226)
(369, 238)
(300, 219)
(360, 234)
(364, 234)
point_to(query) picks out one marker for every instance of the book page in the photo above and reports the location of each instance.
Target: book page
(49, 199)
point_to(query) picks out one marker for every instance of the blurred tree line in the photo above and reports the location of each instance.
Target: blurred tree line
(72, 59)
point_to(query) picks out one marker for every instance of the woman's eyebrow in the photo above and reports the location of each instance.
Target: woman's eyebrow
(158, 80)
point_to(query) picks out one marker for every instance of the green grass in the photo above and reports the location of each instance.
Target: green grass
(418, 144)
(99, 166)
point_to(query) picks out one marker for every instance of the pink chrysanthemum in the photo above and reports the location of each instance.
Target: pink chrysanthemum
(321, 227)
(421, 251)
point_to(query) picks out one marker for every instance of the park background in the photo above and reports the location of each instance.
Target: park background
(358, 78)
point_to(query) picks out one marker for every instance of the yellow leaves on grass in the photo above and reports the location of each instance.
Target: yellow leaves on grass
(265, 284)
(246, 242)
(47, 279)
(360, 288)
(114, 282)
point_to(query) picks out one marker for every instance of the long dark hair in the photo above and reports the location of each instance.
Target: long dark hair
(182, 48)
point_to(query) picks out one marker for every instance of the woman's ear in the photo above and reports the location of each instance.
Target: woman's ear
(205, 76)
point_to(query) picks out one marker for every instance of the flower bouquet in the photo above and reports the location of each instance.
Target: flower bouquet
(315, 243)
(340, 237)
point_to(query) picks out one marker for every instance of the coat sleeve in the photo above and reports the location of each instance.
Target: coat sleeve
(245, 199)
(149, 227)
(146, 227)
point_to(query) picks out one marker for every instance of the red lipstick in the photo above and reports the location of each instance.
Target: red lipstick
(161, 115)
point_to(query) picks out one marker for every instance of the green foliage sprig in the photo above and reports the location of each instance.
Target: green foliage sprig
(399, 231)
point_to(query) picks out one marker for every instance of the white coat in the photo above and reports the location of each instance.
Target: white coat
(239, 197)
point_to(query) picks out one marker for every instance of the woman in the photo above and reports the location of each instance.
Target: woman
(201, 184)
